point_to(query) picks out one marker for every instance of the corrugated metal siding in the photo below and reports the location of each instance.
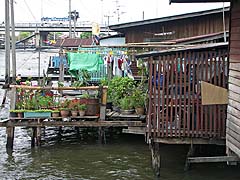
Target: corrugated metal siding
(233, 116)
(183, 28)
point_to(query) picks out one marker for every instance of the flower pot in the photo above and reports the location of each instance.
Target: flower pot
(93, 106)
(55, 114)
(126, 112)
(37, 114)
(139, 110)
(82, 113)
(20, 114)
(64, 113)
(74, 113)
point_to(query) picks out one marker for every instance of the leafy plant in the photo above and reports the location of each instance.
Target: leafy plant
(120, 87)
(74, 104)
(64, 105)
(126, 103)
(139, 98)
(17, 110)
(82, 107)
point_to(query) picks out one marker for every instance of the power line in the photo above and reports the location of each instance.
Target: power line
(30, 10)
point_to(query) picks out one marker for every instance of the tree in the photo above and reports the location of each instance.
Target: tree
(23, 35)
(86, 35)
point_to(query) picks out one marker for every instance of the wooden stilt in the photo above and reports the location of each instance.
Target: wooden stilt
(34, 135)
(38, 138)
(156, 159)
(10, 137)
(231, 153)
(101, 136)
(60, 131)
(189, 154)
(78, 132)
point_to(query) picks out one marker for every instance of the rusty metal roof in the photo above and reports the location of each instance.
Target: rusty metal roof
(73, 42)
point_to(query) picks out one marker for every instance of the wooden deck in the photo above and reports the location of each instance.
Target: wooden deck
(88, 121)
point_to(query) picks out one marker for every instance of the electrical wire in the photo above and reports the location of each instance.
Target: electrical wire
(30, 11)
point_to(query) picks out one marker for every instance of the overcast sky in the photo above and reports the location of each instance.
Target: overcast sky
(97, 10)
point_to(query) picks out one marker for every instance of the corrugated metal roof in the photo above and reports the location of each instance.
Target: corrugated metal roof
(73, 42)
(168, 18)
(196, 1)
(192, 48)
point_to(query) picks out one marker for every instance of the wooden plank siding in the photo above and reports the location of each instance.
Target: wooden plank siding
(181, 28)
(175, 109)
(233, 112)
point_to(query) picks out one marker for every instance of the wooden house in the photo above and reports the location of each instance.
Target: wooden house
(174, 27)
(233, 110)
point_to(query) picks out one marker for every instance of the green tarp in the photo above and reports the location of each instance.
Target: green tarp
(78, 61)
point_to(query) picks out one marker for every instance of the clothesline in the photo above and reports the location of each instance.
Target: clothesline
(104, 51)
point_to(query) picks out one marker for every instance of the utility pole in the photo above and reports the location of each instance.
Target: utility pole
(13, 44)
(70, 24)
(108, 21)
(74, 21)
(7, 43)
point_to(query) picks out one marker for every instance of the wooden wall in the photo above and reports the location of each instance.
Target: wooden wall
(183, 28)
(233, 117)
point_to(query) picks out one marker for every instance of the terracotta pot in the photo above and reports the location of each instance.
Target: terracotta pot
(139, 110)
(82, 113)
(20, 114)
(64, 113)
(74, 113)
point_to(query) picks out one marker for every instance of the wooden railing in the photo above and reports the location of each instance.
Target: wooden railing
(175, 108)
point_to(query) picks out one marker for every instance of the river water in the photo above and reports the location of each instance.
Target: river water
(80, 157)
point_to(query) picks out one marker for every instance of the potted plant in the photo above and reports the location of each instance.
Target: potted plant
(64, 108)
(139, 97)
(74, 105)
(17, 113)
(92, 102)
(82, 109)
(55, 113)
(120, 87)
(126, 105)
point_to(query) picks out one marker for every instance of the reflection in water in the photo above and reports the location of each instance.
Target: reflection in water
(73, 158)
(123, 157)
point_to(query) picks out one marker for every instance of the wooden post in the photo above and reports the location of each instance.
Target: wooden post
(36, 137)
(101, 136)
(103, 102)
(78, 132)
(229, 152)
(10, 137)
(34, 134)
(189, 154)
(156, 158)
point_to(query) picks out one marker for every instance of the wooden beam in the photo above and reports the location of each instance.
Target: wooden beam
(213, 159)
(186, 140)
(57, 88)
(30, 123)
(135, 130)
